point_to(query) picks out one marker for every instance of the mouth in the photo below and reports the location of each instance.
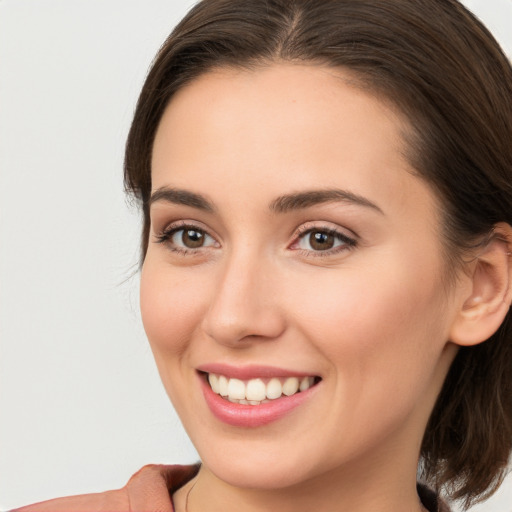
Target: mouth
(254, 396)
(258, 391)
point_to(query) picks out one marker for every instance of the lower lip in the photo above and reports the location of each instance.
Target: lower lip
(251, 416)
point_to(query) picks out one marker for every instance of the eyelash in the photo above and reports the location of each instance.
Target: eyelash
(348, 243)
(165, 236)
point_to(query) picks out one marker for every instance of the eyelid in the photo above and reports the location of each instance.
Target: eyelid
(324, 226)
(164, 235)
(350, 239)
(181, 224)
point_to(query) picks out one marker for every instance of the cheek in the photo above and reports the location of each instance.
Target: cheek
(170, 306)
(374, 323)
(382, 335)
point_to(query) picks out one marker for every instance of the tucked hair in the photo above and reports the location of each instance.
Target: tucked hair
(445, 72)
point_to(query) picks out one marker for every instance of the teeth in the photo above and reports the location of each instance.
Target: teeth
(274, 389)
(306, 383)
(214, 382)
(291, 386)
(223, 386)
(255, 391)
(236, 389)
(249, 402)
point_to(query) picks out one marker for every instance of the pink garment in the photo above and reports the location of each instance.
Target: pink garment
(148, 490)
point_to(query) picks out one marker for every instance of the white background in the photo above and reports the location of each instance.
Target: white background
(81, 404)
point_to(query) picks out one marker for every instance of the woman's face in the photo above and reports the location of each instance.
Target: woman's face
(290, 243)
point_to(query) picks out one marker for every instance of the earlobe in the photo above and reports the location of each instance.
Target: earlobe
(488, 302)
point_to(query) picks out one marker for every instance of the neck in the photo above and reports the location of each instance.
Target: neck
(337, 490)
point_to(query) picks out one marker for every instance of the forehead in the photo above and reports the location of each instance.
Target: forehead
(292, 103)
(285, 126)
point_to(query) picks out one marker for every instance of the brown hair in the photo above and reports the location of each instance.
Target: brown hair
(442, 68)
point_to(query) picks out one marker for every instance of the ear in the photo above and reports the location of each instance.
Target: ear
(485, 306)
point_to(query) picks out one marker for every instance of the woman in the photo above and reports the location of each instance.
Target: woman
(326, 256)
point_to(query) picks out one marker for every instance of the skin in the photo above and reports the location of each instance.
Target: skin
(371, 319)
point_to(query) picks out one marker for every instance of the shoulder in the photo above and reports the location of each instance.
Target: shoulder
(105, 501)
(148, 489)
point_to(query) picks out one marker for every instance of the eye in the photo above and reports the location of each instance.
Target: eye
(318, 241)
(191, 238)
(322, 240)
(185, 238)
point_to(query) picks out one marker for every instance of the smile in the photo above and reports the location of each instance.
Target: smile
(258, 391)
(255, 395)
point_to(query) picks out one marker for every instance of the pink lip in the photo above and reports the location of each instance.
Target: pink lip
(251, 416)
(250, 371)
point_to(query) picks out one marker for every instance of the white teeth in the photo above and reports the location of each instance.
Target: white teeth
(290, 386)
(306, 383)
(236, 389)
(255, 391)
(274, 389)
(214, 382)
(248, 402)
(223, 386)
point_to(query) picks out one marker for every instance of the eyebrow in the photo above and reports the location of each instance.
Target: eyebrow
(306, 199)
(183, 197)
(282, 204)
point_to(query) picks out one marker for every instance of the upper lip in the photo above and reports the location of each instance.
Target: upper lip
(248, 372)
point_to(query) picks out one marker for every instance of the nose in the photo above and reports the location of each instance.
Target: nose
(245, 303)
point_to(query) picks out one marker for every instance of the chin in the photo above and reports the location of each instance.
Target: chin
(255, 475)
(267, 462)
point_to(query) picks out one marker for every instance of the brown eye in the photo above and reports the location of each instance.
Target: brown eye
(192, 238)
(321, 241)
(186, 237)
